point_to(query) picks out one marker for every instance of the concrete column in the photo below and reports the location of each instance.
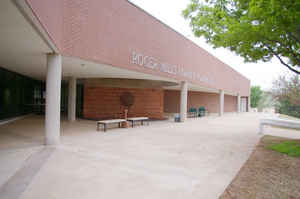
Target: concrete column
(183, 101)
(53, 86)
(221, 103)
(249, 103)
(238, 103)
(72, 100)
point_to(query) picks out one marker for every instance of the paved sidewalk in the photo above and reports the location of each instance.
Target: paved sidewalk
(196, 159)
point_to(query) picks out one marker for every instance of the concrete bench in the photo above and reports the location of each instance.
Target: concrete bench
(192, 114)
(135, 119)
(106, 122)
(292, 124)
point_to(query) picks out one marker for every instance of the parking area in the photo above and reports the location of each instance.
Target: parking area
(195, 159)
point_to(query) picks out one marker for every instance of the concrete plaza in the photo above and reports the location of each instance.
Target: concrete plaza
(195, 159)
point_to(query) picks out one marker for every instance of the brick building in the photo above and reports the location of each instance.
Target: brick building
(77, 57)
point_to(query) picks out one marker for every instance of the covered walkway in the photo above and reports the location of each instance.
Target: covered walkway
(195, 159)
(45, 45)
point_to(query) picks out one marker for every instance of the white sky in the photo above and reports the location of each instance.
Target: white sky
(169, 12)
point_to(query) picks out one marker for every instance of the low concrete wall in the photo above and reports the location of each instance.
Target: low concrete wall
(291, 124)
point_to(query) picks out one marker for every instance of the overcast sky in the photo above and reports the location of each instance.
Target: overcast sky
(169, 12)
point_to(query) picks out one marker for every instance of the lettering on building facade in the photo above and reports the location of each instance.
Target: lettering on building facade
(154, 64)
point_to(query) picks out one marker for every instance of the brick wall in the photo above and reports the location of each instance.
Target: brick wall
(171, 101)
(196, 99)
(230, 103)
(108, 31)
(208, 100)
(104, 103)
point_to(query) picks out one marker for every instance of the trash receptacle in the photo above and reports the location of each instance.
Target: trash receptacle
(177, 117)
(201, 111)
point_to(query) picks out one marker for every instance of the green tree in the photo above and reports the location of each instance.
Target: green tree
(287, 88)
(266, 101)
(253, 29)
(287, 92)
(255, 96)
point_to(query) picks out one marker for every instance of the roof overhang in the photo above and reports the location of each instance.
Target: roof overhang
(24, 44)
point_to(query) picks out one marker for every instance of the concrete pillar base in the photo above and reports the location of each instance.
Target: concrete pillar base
(249, 103)
(72, 100)
(183, 101)
(53, 87)
(221, 103)
(238, 103)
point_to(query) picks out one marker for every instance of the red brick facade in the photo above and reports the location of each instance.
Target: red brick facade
(109, 31)
(196, 99)
(230, 103)
(208, 100)
(104, 103)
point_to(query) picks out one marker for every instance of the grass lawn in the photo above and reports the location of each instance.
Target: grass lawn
(291, 148)
(268, 173)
